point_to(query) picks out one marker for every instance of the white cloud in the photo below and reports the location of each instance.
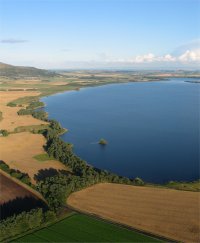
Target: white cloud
(168, 58)
(12, 41)
(190, 56)
(145, 58)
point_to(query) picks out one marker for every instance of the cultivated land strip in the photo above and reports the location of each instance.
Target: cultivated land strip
(9, 188)
(29, 164)
(89, 230)
(18, 151)
(165, 212)
(11, 119)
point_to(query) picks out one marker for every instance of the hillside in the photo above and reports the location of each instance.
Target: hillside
(11, 71)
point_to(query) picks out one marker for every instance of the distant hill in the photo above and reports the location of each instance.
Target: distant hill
(7, 70)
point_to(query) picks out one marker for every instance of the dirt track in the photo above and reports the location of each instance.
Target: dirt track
(166, 212)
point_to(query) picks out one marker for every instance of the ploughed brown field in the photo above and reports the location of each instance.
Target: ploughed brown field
(9, 190)
(165, 212)
(18, 151)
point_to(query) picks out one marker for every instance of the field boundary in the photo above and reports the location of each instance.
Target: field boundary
(39, 228)
(144, 232)
(28, 188)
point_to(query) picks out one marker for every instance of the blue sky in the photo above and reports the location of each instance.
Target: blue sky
(100, 33)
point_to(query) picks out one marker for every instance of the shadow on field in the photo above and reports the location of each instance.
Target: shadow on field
(18, 205)
(45, 173)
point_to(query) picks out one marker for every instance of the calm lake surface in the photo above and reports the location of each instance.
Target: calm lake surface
(152, 128)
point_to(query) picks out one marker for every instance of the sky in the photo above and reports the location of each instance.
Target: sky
(138, 34)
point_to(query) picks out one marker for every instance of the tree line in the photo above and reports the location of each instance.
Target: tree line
(55, 189)
(25, 221)
(23, 177)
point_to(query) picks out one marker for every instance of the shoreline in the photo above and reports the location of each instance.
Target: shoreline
(149, 184)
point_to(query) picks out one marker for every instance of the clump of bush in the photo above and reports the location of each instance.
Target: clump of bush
(22, 112)
(4, 132)
(25, 221)
(11, 104)
(1, 115)
(35, 104)
(138, 181)
(103, 141)
(23, 177)
(41, 115)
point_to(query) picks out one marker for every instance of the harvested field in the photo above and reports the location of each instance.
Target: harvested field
(166, 212)
(18, 150)
(10, 190)
(15, 199)
(11, 119)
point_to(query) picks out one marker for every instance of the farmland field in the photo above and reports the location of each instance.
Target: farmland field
(11, 119)
(24, 147)
(81, 228)
(10, 190)
(14, 198)
(167, 212)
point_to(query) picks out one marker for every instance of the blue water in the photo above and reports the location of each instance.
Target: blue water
(152, 128)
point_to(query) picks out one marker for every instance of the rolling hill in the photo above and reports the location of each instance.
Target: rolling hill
(11, 71)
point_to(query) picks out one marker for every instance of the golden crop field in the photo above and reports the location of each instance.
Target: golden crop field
(11, 120)
(166, 212)
(18, 151)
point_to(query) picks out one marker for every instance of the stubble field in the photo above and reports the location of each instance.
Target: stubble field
(11, 120)
(18, 151)
(167, 212)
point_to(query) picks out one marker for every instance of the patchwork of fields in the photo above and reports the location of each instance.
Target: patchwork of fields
(165, 212)
(18, 151)
(169, 213)
(11, 119)
(81, 228)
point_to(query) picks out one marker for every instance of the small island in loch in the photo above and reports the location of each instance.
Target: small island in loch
(99, 121)
(103, 142)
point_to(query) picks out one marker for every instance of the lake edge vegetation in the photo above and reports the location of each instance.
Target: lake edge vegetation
(55, 189)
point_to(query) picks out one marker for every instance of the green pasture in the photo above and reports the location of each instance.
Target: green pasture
(82, 228)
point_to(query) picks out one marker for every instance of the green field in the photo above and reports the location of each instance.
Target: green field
(82, 228)
(43, 157)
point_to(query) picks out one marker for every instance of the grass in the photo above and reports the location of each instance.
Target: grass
(1, 115)
(82, 228)
(31, 128)
(193, 186)
(43, 157)
(187, 186)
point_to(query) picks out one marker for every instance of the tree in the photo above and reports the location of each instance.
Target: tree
(103, 141)
(4, 132)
